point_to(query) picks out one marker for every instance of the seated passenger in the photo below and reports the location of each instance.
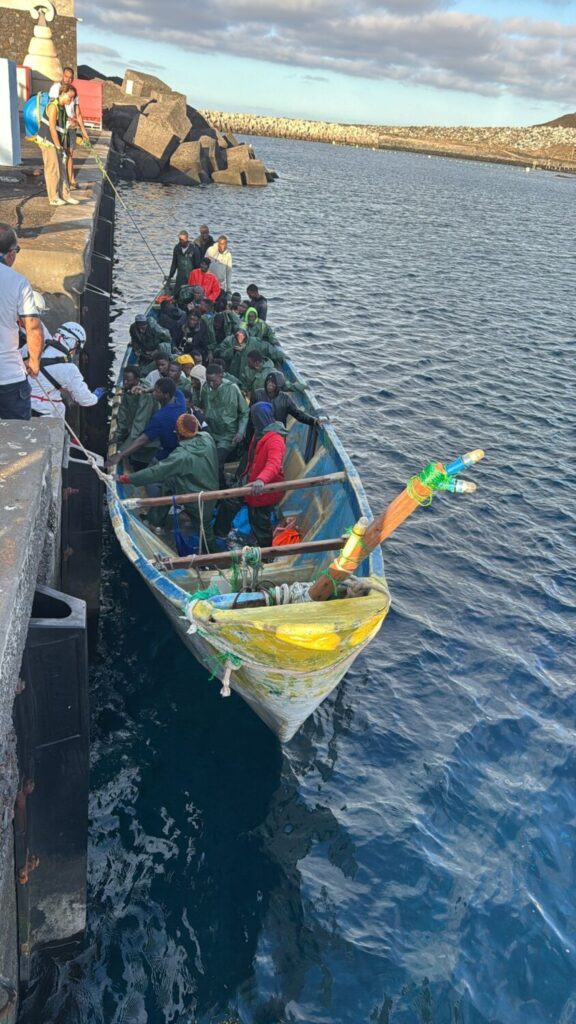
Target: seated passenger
(255, 372)
(162, 365)
(176, 373)
(257, 301)
(225, 411)
(223, 323)
(234, 304)
(208, 282)
(162, 424)
(148, 339)
(283, 405)
(265, 466)
(262, 334)
(234, 350)
(172, 319)
(191, 466)
(136, 409)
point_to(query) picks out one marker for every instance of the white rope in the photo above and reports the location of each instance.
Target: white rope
(225, 691)
(104, 477)
(202, 538)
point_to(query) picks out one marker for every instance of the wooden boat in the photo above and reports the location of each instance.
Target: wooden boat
(284, 660)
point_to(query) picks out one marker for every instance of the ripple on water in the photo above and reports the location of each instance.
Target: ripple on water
(409, 859)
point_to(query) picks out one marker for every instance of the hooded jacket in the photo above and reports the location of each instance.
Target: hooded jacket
(192, 466)
(266, 455)
(225, 411)
(261, 335)
(253, 379)
(283, 405)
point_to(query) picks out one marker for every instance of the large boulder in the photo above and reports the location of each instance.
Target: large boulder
(198, 125)
(119, 117)
(171, 110)
(231, 176)
(254, 173)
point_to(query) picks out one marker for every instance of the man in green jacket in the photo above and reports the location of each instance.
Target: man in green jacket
(135, 410)
(192, 466)
(225, 411)
(256, 370)
(262, 335)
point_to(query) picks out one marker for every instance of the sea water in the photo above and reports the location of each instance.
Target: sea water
(409, 857)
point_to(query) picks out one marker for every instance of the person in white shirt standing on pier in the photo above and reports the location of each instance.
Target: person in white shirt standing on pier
(75, 122)
(221, 263)
(16, 303)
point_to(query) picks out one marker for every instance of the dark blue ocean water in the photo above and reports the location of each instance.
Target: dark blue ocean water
(409, 858)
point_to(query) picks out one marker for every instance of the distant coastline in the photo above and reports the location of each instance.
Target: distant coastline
(549, 147)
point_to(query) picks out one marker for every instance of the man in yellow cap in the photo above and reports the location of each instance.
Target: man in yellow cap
(192, 466)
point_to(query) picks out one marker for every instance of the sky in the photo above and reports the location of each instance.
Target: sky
(397, 62)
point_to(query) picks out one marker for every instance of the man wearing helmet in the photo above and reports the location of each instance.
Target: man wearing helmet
(59, 378)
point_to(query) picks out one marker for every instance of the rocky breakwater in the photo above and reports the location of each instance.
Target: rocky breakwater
(550, 146)
(158, 136)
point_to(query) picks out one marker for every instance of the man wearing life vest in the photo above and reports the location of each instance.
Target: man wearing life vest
(75, 123)
(51, 138)
(59, 377)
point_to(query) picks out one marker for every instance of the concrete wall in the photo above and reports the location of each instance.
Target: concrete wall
(30, 461)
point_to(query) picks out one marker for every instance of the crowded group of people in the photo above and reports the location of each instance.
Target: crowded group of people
(205, 390)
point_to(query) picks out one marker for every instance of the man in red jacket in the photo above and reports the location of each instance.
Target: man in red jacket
(264, 466)
(209, 282)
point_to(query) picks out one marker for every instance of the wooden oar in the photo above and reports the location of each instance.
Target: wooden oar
(225, 558)
(367, 536)
(235, 492)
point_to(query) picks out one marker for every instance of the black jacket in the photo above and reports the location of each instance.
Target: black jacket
(178, 251)
(261, 307)
(283, 406)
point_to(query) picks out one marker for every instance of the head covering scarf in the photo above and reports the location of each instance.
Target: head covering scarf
(279, 379)
(199, 373)
(250, 310)
(262, 416)
(187, 425)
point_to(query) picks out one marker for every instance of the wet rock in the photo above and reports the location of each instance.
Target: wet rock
(239, 154)
(253, 172)
(147, 168)
(172, 176)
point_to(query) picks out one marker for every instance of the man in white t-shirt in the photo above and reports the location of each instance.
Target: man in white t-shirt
(75, 122)
(16, 302)
(221, 263)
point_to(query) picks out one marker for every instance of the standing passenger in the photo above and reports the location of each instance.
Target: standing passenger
(182, 261)
(257, 301)
(221, 264)
(225, 411)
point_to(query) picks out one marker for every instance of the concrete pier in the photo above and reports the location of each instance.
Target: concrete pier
(66, 253)
(30, 495)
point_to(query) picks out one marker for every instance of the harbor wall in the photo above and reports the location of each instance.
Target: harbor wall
(548, 147)
(66, 253)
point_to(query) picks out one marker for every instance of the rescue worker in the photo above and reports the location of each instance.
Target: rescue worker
(137, 406)
(283, 405)
(161, 426)
(60, 381)
(191, 467)
(262, 334)
(265, 466)
(225, 411)
(207, 281)
(257, 301)
(182, 262)
(51, 139)
(256, 371)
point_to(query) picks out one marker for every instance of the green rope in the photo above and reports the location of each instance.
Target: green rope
(326, 572)
(204, 595)
(433, 478)
(220, 659)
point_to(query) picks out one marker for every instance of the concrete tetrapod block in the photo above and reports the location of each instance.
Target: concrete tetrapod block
(239, 154)
(187, 156)
(230, 177)
(170, 111)
(172, 176)
(254, 172)
(215, 154)
(27, 455)
(151, 135)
